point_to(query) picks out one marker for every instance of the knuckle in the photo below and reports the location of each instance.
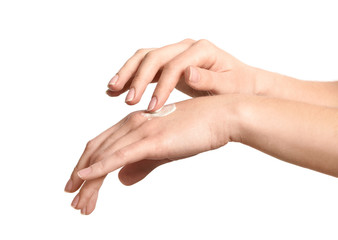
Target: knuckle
(136, 118)
(141, 51)
(91, 144)
(120, 154)
(188, 40)
(203, 43)
(153, 58)
(150, 55)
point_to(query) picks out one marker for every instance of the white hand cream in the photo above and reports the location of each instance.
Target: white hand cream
(164, 111)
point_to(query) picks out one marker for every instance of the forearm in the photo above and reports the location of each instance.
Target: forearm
(281, 86)
(299, 133)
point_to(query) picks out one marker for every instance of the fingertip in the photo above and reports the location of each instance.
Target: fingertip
(75, 201)
(152, 105)
(84, 173)
(113, 81)
(191, 75)
(130, 95)
(132, 98)
(69, 186)
(73, 184)
(132, 102)
(92, 203)
(115, 88)
(109, 93)
(84, 211)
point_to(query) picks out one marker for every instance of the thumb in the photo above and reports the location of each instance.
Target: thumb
(202, 79)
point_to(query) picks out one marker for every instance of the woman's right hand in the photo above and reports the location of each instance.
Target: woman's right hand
(196, 68)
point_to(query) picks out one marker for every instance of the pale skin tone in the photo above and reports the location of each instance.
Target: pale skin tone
(293, 120)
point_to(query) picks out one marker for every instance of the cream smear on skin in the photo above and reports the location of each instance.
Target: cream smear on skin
(164, 111)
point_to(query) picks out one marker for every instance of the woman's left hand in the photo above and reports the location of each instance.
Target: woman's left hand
(187, 131)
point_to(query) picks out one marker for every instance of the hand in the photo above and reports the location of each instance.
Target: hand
(197, 68)
(187, 131)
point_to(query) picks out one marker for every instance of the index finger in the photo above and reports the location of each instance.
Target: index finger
(134, 152)
(75, 182)
(200, 54)
(128, 70)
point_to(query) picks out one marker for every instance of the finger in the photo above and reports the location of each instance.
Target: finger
(135, 172)
(203, 79)
(110, 146)
(130, 130)
(91, 204)
(151, 64)
(88, 195)
(94, 185)
(200, 54)
(128, 70)
(75, 182)
(132, 153)
(86, 199)
(113, 93)
(127, 86)
(184, 88)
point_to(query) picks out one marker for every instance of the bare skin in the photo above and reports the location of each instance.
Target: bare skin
(200, 68)
(294, 120)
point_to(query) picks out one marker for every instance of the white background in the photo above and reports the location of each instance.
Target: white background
(56, 58)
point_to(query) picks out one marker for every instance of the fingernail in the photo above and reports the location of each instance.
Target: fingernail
(113, 80)
(130, 95)
(193, 76)
(75, 201)
(69, 185)
(83, 211)
(152, 103)
(158, 110)
(84, 172)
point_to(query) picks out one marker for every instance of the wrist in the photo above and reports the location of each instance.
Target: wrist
(229, 116)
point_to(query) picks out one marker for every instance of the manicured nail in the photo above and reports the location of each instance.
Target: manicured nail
(113, 80)
(84, 172)
(75, 201)
(152, 103)
(193, 76)
(131, 94)
(83, 211)
(69, 185)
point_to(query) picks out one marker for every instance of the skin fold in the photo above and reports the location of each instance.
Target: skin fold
(290, 119)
